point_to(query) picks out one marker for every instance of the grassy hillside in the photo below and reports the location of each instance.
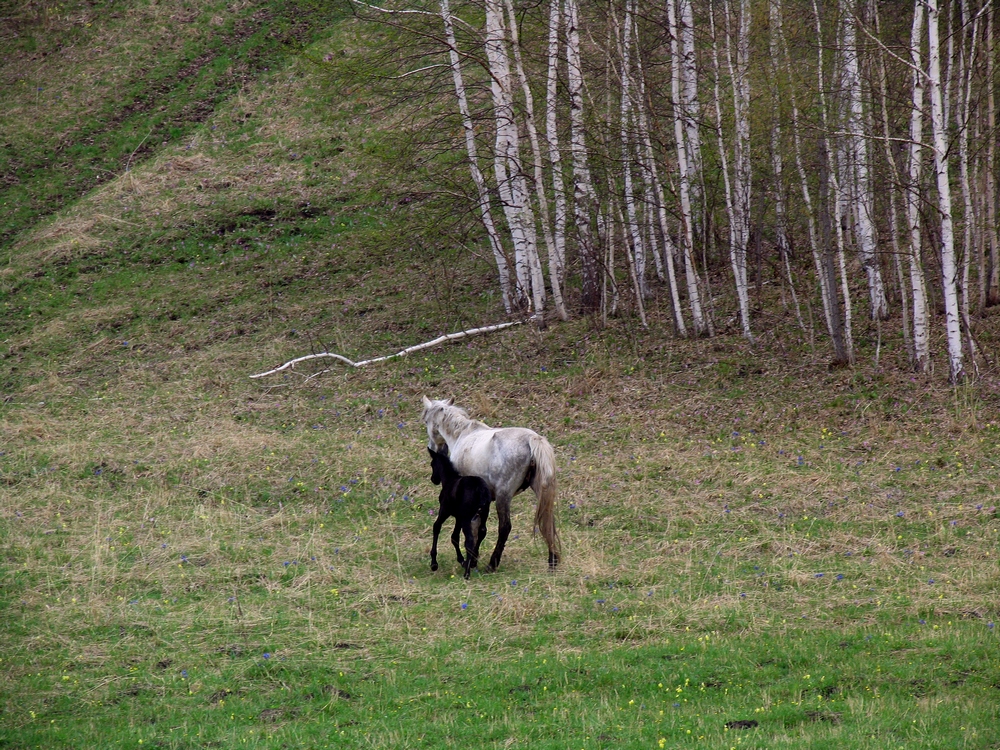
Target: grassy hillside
(759, 552)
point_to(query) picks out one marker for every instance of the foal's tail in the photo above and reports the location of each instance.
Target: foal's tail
(544, 485)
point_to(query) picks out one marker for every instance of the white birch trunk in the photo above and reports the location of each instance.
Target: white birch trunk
(836, 193)
(858, 160)
(993, 284)
(689, 98)
(918, 289)
(584, 197)
(897, 239)
(536, 152)
(824, 286)
(506, 158)
(558, 260)
(740, 232)
(638, 258)
(486, 214)
(949, 268)
(967, 55)
(655, 187)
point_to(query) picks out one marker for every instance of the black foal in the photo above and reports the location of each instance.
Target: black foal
(468, 500)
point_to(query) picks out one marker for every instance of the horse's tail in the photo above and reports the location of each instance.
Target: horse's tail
(544, 485)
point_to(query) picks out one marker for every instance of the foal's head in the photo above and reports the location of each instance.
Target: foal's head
(441, 468)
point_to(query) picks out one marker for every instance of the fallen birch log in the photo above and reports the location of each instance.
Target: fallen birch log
(290, 364)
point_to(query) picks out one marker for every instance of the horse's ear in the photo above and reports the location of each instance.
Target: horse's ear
(450, 401)
(427, 402)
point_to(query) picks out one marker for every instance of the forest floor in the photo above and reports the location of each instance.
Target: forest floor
(759, 551)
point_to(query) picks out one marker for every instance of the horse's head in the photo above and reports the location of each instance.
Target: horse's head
(431, 417)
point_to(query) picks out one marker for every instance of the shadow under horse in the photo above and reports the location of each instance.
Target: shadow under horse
(468, 500)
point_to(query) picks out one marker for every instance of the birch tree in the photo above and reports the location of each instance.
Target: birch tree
(949, 269)
(993, 274)
(511, 181)
(539, 179)
(921, 332)
(843, 338)
(702, 325)
(857, 174)
(740, 214)
(584, 197)
(482, 191)
(558, 259)
(967, 55)
(690, 108)
(638, 259)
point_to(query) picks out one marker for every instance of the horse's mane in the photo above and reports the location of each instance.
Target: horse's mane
(455, 420)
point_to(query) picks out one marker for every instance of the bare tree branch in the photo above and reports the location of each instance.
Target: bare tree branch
(290, 364)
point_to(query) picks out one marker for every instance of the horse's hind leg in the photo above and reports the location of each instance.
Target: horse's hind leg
(503, 531)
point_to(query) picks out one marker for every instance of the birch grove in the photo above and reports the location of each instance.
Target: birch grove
(652, 159)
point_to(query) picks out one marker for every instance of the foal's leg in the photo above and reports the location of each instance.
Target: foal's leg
(503, 531)
(454, 540)
(471, 528)
(442, 514)
(480, 536)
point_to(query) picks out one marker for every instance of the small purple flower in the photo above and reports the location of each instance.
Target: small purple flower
(600, 601)
(464, 605)
(267, 655)
(989, 625)
(840, 576)
(819, 575)
(931, 581)
(184, 673)
(900, 514)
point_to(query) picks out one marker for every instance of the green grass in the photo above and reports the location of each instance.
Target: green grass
(191, 558)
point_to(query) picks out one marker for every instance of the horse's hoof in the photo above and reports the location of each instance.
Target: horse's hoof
(491, 568)
(434, 566)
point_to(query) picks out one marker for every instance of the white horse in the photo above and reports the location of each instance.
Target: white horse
(509, 459)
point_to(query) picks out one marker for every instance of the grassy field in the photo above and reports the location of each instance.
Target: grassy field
(759, 552)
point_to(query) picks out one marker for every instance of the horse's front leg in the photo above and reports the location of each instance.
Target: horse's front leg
(434, 545)
(503, 531)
